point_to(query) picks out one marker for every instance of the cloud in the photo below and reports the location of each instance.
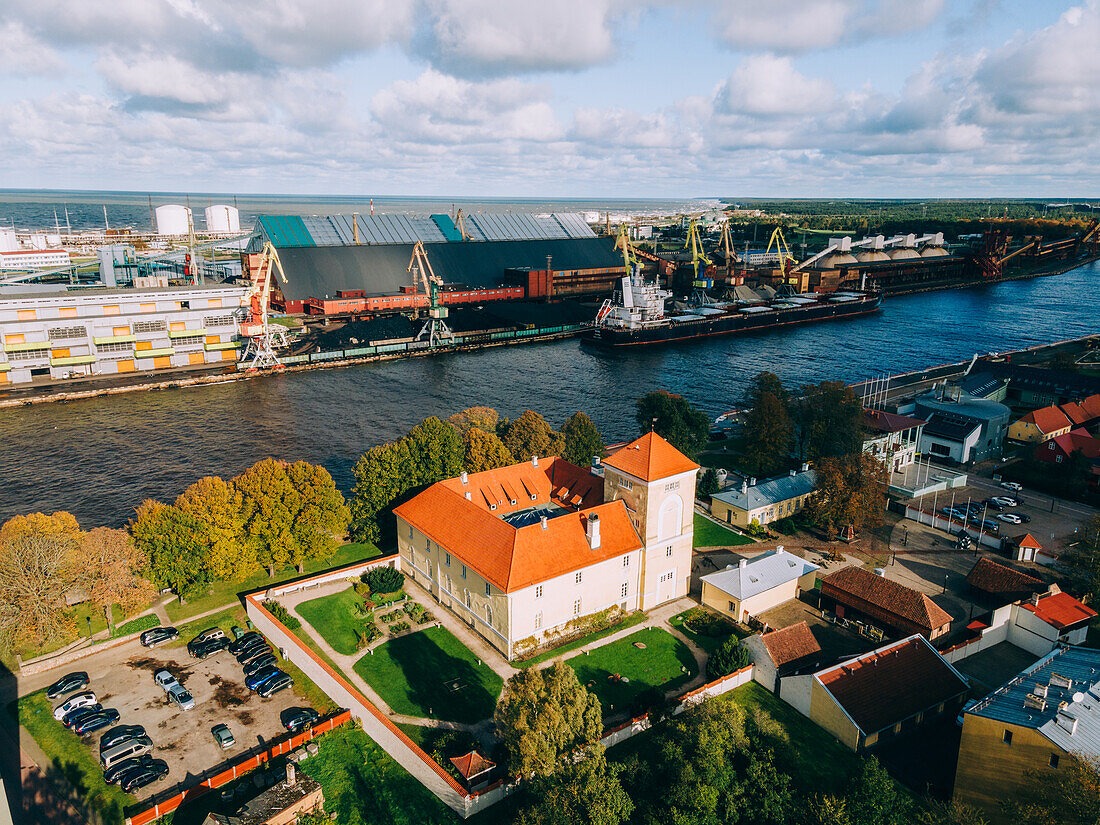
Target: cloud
(23, 55)
(769, 85)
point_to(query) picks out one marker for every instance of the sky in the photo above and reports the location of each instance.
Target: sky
(554, 98)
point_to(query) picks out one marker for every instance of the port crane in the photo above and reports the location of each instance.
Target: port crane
(435, 329)
(263, 338)
(786, 259)
(695, 244)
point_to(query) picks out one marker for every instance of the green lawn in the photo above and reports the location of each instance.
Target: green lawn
(334, 618)
(137, 625)
(432, 674)
(658, 665)
(224, 592)
(706, 628)
(72, 758)
(709, 534)
(629, 621)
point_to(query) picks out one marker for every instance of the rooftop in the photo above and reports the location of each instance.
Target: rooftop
(954, 427)
(472, 764)
(274, 800)
(888, 595)
(881, 688)
(1048, 419)
(966, 405)
(1059, 610)
(789, 644)
(769, 491)
(1078, 440)
(650, 458)
(993, 577)
(761, 574)
(1059, 696)
(880, 421)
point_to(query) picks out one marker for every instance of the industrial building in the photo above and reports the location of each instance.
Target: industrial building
(359, 263)
(67, 333)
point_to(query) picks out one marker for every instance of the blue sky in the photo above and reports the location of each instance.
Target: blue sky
(574, 98)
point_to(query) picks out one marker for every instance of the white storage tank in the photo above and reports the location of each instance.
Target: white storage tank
(173, 219)
(223, 218)
(8, 243)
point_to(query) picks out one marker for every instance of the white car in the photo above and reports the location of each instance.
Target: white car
(1012, 485)
(1010, 518)
(1005, 501)
(81, 700)
(181, 697)
(166, 680)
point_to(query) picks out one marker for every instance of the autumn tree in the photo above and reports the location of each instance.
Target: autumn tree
(219, 506)
(436, 450)
(481, 418)
(38, 563)
(322, 516)
(176, 546)
(530, 435)
(1070, 794)
(546, 718)
(768, 433)
(587, 792)
(829, 421)
(849, 491)
(112, 571)
(674, 419)
(382, 474)
(484, 451)
(1084, 558)
(581, 441)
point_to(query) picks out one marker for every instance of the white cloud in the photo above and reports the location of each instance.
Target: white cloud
(769, 85)
(22, 54)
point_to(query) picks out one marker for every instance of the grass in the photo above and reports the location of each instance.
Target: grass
(136, 626)
(710, 534)
(706, 628)
(223, 592)
(363, 785)
(334, 618)
(414, 675)
(72, 759)
(661, 664)
(629, 621)
(303, 634)
(307, 688)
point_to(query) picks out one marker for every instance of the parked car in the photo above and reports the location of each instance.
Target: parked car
(953, 512)
(1005, 501)
(266, 660)
(73, 717)
(81, 700)
(96, 721)
(1012, 485)
(138, 779)
(116, 736)
(273, 686)
(180, 697)
(138, 746)
(250, 638)
(251, 644)
(208, 648)
(166, 680)
(67, 684)
(223, 736)
(208, 634)
(254, 652)
(1024, 518)
(254, 681)
(1010, 518)
(116, 772)
(988, 526)
(158, 635)
(296, 719)
(992, 503)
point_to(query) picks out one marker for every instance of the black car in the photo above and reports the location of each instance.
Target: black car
(157, 769)
(255, 644)
(250, 638)
(255, 652)
(116, 736)
(67, 684)
(267, 660)
(158, 635)
(95, 721)
(273, 686)
(296, 719)
(1024, 518)
(993, 505)
(73, 717)
(116, 772)
(207, 648)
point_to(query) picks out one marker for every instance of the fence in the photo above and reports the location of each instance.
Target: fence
(237, 769)
(951, 525)
(351, 571)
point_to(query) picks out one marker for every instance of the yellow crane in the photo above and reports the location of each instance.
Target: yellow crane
(782, 250)
(695, 243)
(262, 337)
(435, 328)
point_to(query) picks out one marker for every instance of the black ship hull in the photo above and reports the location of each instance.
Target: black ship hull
(729, 324)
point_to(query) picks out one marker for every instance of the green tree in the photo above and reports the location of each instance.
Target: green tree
(585, 793)
(110, 571)
(436, 450)
(269, 503)
(39, 560)
(382, 475)
(874, 798)
(1068, 795)
(850, 491)
(482, 418)
(674, 419)
(1084, 559)
(530, 435)
(768, 433)
(176, 546)
(219, 506)
(321, 515)
(581, 441)
(729, 656)
(485, 451)
(829, 421)
(545, 718)
(708, 484)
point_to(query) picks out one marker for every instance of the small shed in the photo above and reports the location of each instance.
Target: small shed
(475, 769)
(1023, 548)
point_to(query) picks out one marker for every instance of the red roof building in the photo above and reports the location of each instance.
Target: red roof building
(1059, 449)
(858, 593)
(474, 768)
(999, 584)
(649, 458)
(1060, 610)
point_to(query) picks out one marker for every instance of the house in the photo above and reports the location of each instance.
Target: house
(474, 769)
(754, 586)
(533, 552)
(950, 436)
(768, 501)
(1060, 612)
(855, 593)
(1058, 450)
(960, 427)
(1040, 425)
(1029, 726)
(1022, 548)
(783, 652)
(996, 584)
(281, 804)
(892, 438)
(879, 695)
(1083, 413)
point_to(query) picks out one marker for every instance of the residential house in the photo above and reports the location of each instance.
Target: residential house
(892, 438)
(764, 502)
(529, 553)
(961, 428)
(995, 584)
(1024, 547)
(281, 804)
(1060, 612)
(783, 652)
(1058, 450)
(1040, 425)
(754, 586)
(1029, 727)
(1084, 413)
(855, 593)
(879, 695)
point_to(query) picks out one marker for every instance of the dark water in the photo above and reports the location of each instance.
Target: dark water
(101, 457)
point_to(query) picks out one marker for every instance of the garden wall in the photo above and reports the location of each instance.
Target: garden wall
(351, 571)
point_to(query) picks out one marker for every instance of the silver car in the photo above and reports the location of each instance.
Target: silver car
(179, 696)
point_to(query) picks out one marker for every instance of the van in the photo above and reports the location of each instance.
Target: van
(208, 634)
(139, 746)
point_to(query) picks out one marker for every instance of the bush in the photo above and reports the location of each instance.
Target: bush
(414, 609)
(392, 616)
(384, 579)
(731, 655)
(756, 529)
(425, 617)
(704, 623)
(400, 627)
(364, 637)
(282, 614)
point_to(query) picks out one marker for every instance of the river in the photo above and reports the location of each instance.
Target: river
(99, 458)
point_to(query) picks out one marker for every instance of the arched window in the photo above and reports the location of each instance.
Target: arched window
(671, 517)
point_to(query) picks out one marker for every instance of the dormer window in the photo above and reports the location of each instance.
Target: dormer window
(492, 507)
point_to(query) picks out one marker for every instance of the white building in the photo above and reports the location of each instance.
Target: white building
(33, 259)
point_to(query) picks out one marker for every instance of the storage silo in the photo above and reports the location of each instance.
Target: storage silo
(173, 219)
(223, 218)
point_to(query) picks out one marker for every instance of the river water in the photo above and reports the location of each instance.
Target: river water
(99, 458)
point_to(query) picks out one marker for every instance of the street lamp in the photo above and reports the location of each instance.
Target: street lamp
(944, 582)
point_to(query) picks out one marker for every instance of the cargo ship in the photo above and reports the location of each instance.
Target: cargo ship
(637, 315)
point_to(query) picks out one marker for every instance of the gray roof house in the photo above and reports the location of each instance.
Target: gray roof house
(952, 421)
(766, 501)
(759, 584)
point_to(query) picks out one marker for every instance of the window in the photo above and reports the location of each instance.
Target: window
(1057, 459)
(940, 449)
(672, 485)
(488, 589)
(28, 354)
(667, 577)
(1054, 760)
(463, 571)
(218, 321)
(115, 346)
(733, 607)
(538, 592)
(626, 485)
(622, 592)
(1006, 737)
(579, 574)
(68, 332)
(538, 620)
(577, 607)
(626, 561)
(489, 613)
(148, 326)
(188, 341)
(185, 305)
(411, 534)
(668, 551)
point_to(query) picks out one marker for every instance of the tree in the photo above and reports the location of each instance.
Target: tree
(384, 580)
(674, 419)
(585, 793)
(436, 450)
(322, 515)
(481, 418)
(874, 798)
(382, 474)
(38, 557)
(731, 655)
(530, 435)
(269, 503)
(850, 491)
(1070, 794)
(581, 441)
(708, 484)
(176, 546)
(1084, 560)
(768, 433)
(485, 451)
(111, 571)
(829, 419)
(219, 505)
(545, 718)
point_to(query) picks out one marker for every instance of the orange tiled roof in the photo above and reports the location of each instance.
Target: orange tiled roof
(1091, 405)
(789, 644)
(888, 595)
(1048, 419)
(993, 577)
(1027, 541)
(650, 458)
(472, 764)
(1076, 413)
(1060, 610)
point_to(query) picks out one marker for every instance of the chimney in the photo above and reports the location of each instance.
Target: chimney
(741, 564)
(464, 477)
(1054, 589)
(805, 466)
(592, 531)
(534, 461)
(752, 481)
(291, 773)
(1035, 599)
(744, 486)
(596, 461)
(468, 496)
(542, 521)
(793, 473)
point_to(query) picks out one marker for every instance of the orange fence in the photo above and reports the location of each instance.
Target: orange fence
(237, 769)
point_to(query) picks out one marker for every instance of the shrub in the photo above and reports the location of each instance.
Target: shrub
(364, 637)
(384, 579)
(756, 529)
(400, 627)
(731, 655)
(414, 609)
(704, 623)
(282, 614)
(425, 617)
(392, 616)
